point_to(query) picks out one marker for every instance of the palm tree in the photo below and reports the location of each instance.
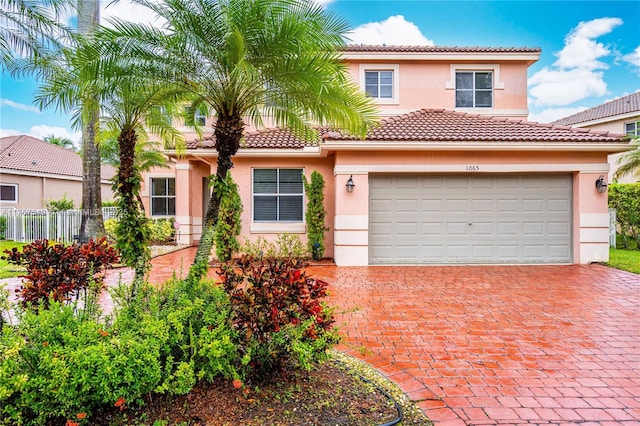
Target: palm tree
(132, 103)
(30, 29)
(148, 153)
(630, 161)
(247, 59)
(60, 141)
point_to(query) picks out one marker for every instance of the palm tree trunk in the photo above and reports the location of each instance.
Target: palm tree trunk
(228, 132)
(92, 223)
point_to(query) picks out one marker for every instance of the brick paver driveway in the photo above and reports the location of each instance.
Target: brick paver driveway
(499, 344)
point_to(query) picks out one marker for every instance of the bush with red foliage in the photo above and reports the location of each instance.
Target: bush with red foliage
(58, 271)
(278, 313)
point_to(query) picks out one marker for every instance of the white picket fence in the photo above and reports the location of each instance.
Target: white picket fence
(612, 228)
(30, 225)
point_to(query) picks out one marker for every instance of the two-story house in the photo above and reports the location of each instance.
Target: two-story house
(453, 174)
(621, 115)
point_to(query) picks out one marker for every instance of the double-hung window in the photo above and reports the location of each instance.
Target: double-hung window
(379, 84)
(474, 89)
(9, 192)
(632, 129)
(199, 119)
(163, 196)
(277, 195)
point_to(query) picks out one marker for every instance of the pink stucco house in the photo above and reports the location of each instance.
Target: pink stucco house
(454, 173)
(620, 115)
(33, 172)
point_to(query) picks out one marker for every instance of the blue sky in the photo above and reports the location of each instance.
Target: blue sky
(590, 49)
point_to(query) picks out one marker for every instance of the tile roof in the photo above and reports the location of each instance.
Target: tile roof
(263, 139)
(438, 125)
(623, 105)
(29, 154)
(437, 49)
(431, 125)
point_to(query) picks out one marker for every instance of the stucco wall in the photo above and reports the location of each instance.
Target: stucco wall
(34, 192)
(432, 85)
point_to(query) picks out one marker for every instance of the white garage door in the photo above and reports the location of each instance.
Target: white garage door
(426, 219)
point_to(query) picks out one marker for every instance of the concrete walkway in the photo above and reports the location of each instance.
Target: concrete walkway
(477, 345)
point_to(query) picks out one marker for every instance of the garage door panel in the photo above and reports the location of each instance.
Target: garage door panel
(426, 219)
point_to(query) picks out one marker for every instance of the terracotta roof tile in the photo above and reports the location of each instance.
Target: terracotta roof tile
(437, 49)
(623, 105)
(264, 139)
(433, 125)
(28, 154)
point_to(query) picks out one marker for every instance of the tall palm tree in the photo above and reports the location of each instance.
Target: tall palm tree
(92, 222)
(131, 104)
(630, 161)
(30, 29)
(247, 59)
(60, 141)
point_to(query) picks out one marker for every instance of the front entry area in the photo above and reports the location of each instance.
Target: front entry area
(470, 218)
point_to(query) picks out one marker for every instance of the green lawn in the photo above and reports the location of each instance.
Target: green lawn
(8, 270)
(627, 260)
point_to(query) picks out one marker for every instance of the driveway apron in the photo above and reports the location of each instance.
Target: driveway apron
(477, 345)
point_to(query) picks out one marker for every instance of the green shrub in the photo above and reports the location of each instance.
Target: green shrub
(109, 203)
(3, 227)
(59, 205)
(315, 215)
(277, 312)
(286, 246)
(55, 364)
(162, 230)
(228, 225)
(625, 198)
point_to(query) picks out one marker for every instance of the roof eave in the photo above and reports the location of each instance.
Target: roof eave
(381, 145)
(310, 152)
(528, 57)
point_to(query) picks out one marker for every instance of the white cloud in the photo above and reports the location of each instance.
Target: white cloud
(43, 131)
(125, 10)
(553, 114)
(575, 76)
(633, 58)
(9, 132)
(17, 105)
(394, 30)
(563, 87)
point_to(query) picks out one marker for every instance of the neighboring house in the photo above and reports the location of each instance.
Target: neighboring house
(33, 172)
(454, 173)
(621, 115)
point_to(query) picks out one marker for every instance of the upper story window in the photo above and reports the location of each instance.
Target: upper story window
(632, 129)
(474, 89)
(9, 192)
(379, 84)
(163, 196)
(199, 119)
(277, 195)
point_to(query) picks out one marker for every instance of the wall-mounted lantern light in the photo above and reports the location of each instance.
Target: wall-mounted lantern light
(350, 185)
(601, 185)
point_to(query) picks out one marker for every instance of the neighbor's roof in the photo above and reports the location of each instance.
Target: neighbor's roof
(431, 125)
(624, 105)
(437, 49)
(28, 154)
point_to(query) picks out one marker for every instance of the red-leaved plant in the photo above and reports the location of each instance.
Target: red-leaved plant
(58, 271)
(276, 310)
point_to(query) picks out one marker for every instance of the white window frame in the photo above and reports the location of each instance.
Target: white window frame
(297, 227)
(395, 68)
(498, 84)
(15, 185)
(151, 196)
(634, 132)
(197, 117)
